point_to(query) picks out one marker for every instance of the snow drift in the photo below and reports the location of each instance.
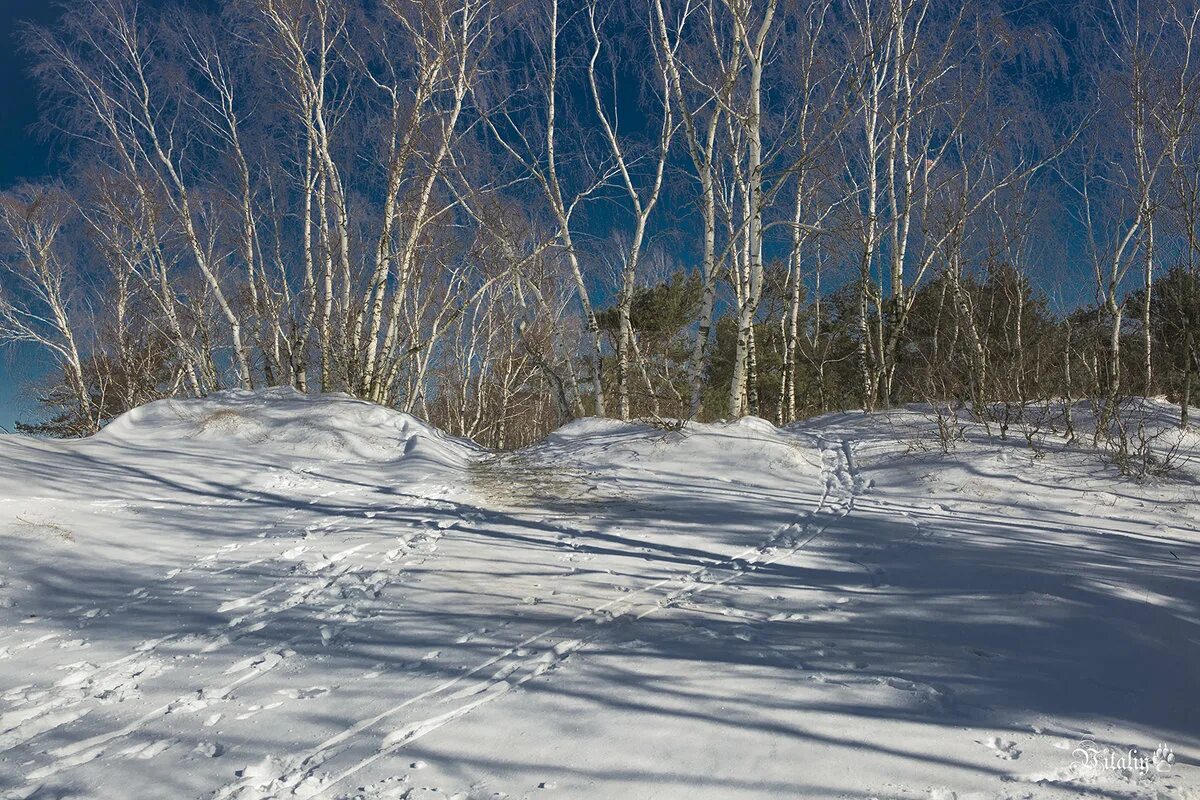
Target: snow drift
(282, 420)
(265, 595)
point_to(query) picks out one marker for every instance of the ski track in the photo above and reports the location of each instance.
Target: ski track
(35, 711)
(238, 629)
(298, 775)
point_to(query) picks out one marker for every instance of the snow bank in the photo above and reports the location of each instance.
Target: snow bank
(194, 604)
(746, 449)
(282, 420)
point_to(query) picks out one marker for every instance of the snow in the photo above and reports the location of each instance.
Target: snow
(268, 595)
(284, 422)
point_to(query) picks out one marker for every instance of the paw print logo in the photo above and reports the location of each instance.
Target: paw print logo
(1163, 758)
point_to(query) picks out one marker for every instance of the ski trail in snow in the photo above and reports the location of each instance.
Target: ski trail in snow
(297, 775)
(87, 750)
(92, 748)
(789, 540)
(236, 538)
(76, 696)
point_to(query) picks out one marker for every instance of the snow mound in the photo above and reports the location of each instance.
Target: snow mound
(186, 610)
(740, 449)
(332, 427)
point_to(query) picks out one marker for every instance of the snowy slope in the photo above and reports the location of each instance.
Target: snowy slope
(269, 595)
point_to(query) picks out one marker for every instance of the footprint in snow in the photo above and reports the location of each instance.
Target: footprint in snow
(394, 788)
(467, 637)
(1003, 748)
(737, 613)
(252, 710)
(329, 633)
(147, 750)
(305, 694)
(209, 749)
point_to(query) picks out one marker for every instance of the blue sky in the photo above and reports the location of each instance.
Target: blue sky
(26, 154)
(23, 155)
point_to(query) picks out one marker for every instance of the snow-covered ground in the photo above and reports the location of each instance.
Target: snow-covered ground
(268, 596)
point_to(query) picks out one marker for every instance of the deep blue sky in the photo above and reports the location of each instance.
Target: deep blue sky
(23, 155)
(26, 154)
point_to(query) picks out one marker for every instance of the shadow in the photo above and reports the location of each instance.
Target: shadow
(887, 645)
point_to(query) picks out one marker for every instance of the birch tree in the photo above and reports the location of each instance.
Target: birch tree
(37, 287)
(140, 125)
(701, 103)
(642, 199)
(527, 126)
(752, 25)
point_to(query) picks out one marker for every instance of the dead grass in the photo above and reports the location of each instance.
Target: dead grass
(43, 529)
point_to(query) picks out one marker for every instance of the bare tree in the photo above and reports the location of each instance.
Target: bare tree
(642, 199)
(37, 288)
(528, 129)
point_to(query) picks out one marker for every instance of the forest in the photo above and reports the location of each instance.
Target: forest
(501, 215)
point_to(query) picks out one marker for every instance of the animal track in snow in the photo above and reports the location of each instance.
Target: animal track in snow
(542, 652)
(1003, 748)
